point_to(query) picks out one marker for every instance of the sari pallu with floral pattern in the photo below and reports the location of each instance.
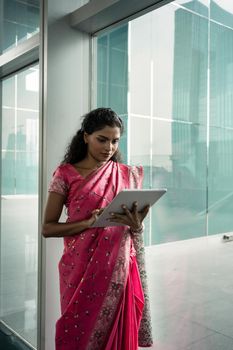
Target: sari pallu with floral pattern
(103, 291)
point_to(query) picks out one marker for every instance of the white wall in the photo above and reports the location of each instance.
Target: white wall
(67, 100)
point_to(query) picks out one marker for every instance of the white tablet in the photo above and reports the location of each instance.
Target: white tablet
(142, 197)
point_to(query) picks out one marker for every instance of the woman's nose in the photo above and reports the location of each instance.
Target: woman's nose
(108, 146)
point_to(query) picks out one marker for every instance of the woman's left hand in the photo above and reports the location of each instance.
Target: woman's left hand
(132, 218)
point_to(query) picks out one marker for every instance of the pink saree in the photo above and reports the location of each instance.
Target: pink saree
(104, 302)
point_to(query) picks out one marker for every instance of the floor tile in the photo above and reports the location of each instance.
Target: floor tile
(179, 332)
(213, 342)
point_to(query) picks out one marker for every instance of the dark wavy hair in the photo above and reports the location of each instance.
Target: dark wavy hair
(93, 121)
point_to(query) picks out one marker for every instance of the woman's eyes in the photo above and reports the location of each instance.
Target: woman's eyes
(103, 141)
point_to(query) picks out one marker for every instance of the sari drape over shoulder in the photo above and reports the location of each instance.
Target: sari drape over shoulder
(103, 289)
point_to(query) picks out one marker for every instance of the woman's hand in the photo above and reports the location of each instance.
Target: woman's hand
(94, 215)
(133, 218)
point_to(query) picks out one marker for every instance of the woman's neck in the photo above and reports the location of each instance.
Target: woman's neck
(89, 164)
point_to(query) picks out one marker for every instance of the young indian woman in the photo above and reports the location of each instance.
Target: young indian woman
(103, 290)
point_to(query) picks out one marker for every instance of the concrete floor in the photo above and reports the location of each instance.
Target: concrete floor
(191, 292)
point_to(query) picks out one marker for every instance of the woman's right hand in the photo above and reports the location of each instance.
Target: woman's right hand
(94, 215)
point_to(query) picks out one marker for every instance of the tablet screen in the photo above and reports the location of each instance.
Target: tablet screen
(128, 196)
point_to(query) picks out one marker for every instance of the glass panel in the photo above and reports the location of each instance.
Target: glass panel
(168, 76)
(112, 76)
(19, 204)
(140, 61)
(112, 72)
(8, 146)
(174, 86)
(167, 107)
(168, 81)
(123, 146)
(221, 76)
(20, 20)
(221, 125)
(8, 94)
(222, 12)
(199, 6)
(189, 94)
(179, 163)
(139, 146)
(27, 89)
(220, 180)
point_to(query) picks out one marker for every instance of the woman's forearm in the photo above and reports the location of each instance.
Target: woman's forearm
(57, 229)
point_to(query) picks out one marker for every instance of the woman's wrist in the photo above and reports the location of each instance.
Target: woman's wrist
(137, 230)
(87, 224)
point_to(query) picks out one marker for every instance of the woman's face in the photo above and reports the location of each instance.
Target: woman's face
(102, 144)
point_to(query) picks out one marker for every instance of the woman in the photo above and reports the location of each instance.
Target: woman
(103, 305)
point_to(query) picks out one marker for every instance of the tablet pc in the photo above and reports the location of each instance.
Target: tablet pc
(128, 196)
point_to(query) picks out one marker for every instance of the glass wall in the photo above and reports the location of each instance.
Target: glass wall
(221, 117)
(112, 75)
(178, 87)
(19, 202)
(19, 20)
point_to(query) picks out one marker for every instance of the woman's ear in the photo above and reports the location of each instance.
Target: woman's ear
(85, 137)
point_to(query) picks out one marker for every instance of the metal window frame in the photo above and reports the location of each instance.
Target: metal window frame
(19, 57)
(98, 15)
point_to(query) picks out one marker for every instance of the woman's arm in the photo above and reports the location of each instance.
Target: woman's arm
(51, 226)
